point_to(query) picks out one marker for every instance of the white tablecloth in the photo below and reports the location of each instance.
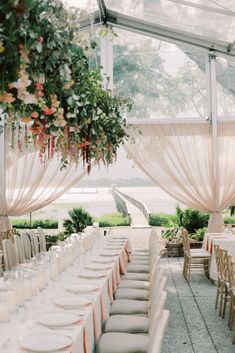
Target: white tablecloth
(83, 335)
(225, 241)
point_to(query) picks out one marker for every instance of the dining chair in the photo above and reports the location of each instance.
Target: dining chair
(10, 255)
(225, 286)
(137, 322)
(34, 243)
(26, 246)
(131, 306)
(231, 276)
(194, 260)
(217, 260)
(42, 240)
(122, 342)
(19, 248)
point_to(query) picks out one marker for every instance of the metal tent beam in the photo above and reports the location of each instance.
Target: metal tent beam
(160, 32)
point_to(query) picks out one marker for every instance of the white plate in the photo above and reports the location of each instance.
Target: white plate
(97, 267)
(81, 288)
(57, 319)
(92, 274)
(72, 302)
(45, 342)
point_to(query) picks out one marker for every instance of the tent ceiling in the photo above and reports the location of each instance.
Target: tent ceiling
(204, 24)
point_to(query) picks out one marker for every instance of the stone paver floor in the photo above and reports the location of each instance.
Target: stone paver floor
(194, 324)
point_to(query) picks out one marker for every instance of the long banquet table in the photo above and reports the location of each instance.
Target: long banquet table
(87, 330)
(225, 240)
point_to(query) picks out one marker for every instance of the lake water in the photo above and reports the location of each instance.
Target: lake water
(99, 201)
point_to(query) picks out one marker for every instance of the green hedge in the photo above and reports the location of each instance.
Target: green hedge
(113, 220)
(161, 219)
(229, 220)
(45, 223)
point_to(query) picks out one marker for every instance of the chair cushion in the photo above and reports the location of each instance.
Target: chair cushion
(132, 294)
(136, 276)
(118, 342)
(138, 268)
(140, 256)
(129, 307)
(140, 261)
(127, 323)
(134, 284)
(199, 254)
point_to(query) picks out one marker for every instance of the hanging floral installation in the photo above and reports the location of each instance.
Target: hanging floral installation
(48, 94)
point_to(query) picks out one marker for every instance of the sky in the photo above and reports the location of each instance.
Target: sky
(124, 168)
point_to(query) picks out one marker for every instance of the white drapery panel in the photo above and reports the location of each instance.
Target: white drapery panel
(27, 184)
(178, 158)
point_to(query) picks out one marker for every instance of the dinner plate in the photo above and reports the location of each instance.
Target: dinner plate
(45, 342)
(72, 302)
(81, 288)
(97, 267)
(92, 274)
(57, 319)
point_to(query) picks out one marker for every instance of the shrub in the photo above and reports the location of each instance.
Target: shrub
(191, 219)
(229, 220)
(199, 234)
(25, 224)
(113, 220)
(80, 219)
(54, 238)
(160, 219)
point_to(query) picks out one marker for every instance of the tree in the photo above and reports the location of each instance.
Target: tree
(80, 219)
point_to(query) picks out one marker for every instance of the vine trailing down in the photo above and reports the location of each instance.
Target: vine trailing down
(49, 97)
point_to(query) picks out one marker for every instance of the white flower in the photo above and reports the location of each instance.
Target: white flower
(30, 99)
(60, 122)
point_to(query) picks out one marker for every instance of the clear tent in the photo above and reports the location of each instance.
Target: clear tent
(175, 59)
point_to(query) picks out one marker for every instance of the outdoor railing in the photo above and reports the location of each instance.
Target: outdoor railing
(139, 204)
(120, 203)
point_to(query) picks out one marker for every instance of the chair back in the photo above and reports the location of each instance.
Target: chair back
(223, 264)
(42, 239)
(27, 246)
(186, 242)
(19, 248)
(217, 259)
(34, 243)
(157, 329)
(231, 271)
(10, 255)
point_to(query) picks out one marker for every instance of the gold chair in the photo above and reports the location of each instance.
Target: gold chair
(194, 260)
(224, 281)
(217, 259)
(231, 277)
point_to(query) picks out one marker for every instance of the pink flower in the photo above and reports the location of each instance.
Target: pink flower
(35, 115)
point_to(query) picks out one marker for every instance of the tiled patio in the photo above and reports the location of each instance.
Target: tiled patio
(194, 325)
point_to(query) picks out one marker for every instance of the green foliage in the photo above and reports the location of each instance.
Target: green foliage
(191, 219)
(80, 219)
(171, 233)
(54, 238)
(164, 220)
(46, 80)
(43, 223)
(232, 210)
(199, 234)
(229, 220)
(113, 220)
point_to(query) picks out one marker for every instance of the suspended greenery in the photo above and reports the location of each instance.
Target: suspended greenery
(48, 94)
